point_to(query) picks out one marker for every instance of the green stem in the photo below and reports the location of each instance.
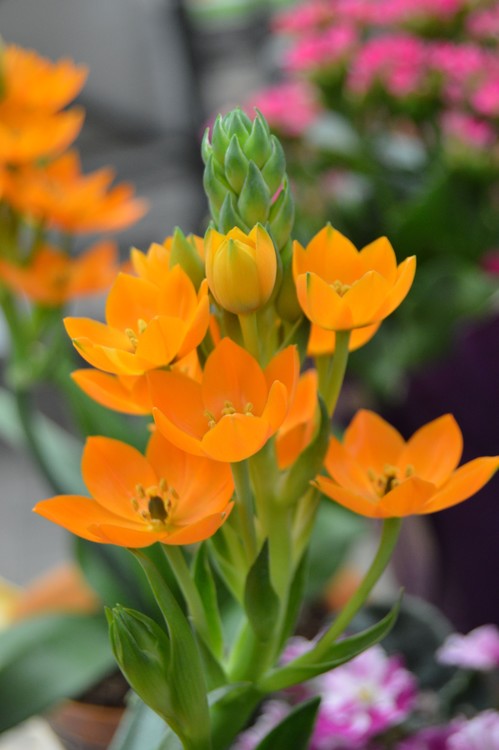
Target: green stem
(178, 563)
(389, 537)
(244, 494)
(336, 375)
(249, 328)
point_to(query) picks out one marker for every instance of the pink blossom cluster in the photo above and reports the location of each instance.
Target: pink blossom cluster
(289, 107)
(332, 46)
(479, 733)
(477, 650)
(483, 23)
(467, 131)
(359, 700)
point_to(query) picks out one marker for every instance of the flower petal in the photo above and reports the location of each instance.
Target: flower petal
(356, 503)
(232, 375)
(76, 514)
(465, 482)
(434, 450)
(345, 470)
(400, 290)
(324, 342)
(178, 409)
(109, 391)
(321, 303)
(380, 256)
(131, 299)
(236, 437)
(365, 298)
(407, 498)
(200, 530)
(372, 442)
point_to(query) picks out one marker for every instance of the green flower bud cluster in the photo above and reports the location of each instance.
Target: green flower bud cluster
(245, 168)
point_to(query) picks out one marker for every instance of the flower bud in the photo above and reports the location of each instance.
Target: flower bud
(185, 252)
(241, 268)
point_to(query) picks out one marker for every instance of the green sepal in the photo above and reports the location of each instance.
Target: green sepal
(260, 600)
(206, 147)
(282, 216)
(274, 169)
(219, 139)
(184, 253)
(309, 462)
(295, 729)
(257, 147)
(236, 165)
(306, 667)
(229, 217)
(254, 200)
(214, 188)
(185, 669)
(238, 123)
(205, 584)
(143, 652)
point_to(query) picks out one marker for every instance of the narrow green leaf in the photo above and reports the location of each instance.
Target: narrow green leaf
(260, 600)
(205, 584)
(295, 599)
(142, 728)
(295, 730)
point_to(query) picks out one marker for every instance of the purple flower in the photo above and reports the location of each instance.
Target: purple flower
(431, 738)
(361, 699)
(480, 733)
(478, 650)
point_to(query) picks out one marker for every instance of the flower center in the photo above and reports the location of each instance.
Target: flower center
(154, 504)
(340, 288)
(228, 410)
(391, 477)
(133, 335)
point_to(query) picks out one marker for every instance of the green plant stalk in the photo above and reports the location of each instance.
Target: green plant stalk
(336, 374)
(388, 540)
(249, 328)
(176, 558)
(244, 507)
(228, 718)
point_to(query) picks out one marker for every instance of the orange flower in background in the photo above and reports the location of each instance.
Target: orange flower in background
(62, 197)
(376, 473)
(321, 341)
(236, 408)
(148, 326)
(241, 268)
(165, 496)
(35, 83)
(340, 288)
(24, 138)
(298, 428)
(53, 278)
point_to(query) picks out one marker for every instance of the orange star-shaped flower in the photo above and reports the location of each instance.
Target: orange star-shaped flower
(236, 408)
(376, 473)
(165, 496)
(53, 278)
(148, 325)
(340, 288)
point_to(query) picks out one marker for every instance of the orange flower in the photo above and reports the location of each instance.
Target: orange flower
(148, 326)
(53, 278)
(377, 474)
(25, 138)
(128, 393)
(165, 496)
(34, 83)
(61, 196)
(321, 341)
(297, 430)
(340, 288)
(188, 252)
(236, 408)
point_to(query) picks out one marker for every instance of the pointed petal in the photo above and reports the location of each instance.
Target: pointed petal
(277, 407)
(356, 503)
(434, 450)
(345, 469)
(321, 304)
(200, 530)
(235, 437)
(122, 536)
(96, 332)
(365, 298)
(178, 410)
(108, 391)
(76, 514)
(285, 367)
(379, 256)
(161, 340)
(232, 374)
(324, 342)
(131, 299)
(465, 482)
(400, 290)
(372, 442)
(112, 470)
(407, 498)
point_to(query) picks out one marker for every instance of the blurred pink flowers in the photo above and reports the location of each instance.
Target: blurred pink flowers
(477, 650)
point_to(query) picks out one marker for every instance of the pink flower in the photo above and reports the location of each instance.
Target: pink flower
(468, 130)
(328, 47)
(431, 738)
(484, 24)
(273, 712)
(289, 107)
(485, 100)
(303, 18)
(478, 650)
(361, 699)
(480, 733)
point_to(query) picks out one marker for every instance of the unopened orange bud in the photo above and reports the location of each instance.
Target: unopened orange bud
(241, 268)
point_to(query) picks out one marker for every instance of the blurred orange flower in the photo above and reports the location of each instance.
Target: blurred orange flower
(298, 428)
(53, 278)
(340, 288)
(148, 326)
(24, 138)
(59, 195)
(165, 496)
(236, 408)
(376, 473)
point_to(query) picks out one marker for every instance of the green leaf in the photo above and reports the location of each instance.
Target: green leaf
(295, 730)
(304, 668)
(205, 584)
(260, 600)
(295, 599)
(46, 659)
(142, 728)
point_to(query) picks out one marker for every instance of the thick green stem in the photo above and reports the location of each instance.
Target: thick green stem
(389, 537)
(336, 374)
(178, 563)
(244, 494)
(249, 328)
